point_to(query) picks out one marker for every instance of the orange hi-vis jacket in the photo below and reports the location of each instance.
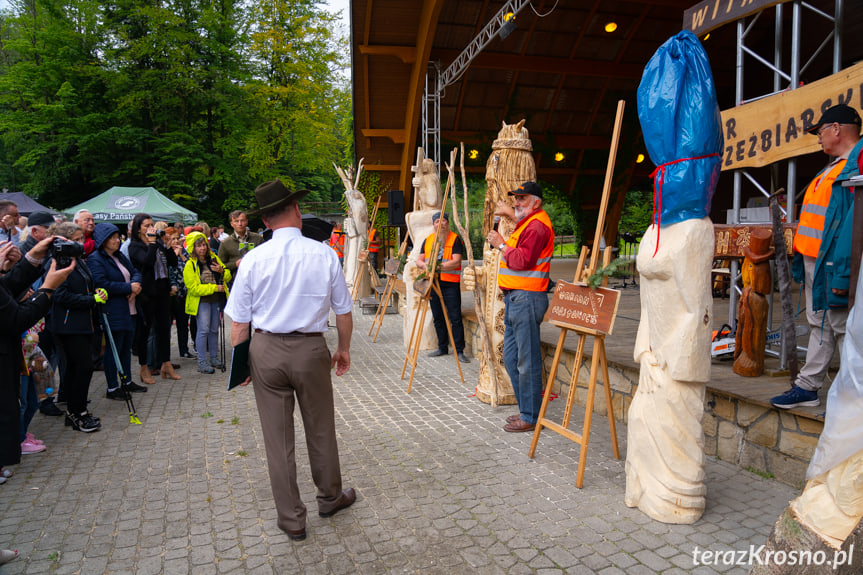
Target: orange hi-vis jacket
(810, 228)
(337, 242)
(374, 241)
(536, 278)
(449, 275)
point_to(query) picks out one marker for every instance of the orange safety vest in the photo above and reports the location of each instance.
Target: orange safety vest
(449, 275)
(374, 241)
(535, 278)
(337, 242)
(810, 228)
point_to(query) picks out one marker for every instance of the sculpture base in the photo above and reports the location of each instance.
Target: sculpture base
(502, 399)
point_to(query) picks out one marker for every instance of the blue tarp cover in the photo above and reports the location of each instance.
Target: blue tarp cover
(682, 128)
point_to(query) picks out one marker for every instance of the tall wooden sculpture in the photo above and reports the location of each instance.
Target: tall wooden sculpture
(427, 200)
(356, 225)
(753, 309)
(510, 165)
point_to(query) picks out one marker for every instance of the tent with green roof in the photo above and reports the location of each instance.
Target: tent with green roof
(119, 205)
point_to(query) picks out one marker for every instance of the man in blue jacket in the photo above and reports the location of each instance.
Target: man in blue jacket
(831, 276)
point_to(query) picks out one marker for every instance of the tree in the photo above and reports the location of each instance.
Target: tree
(298, 88)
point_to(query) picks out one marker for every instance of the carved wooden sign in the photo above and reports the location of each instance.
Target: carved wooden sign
(711, 14)
(577, 306)
(774, 128)
(391, 266)
(731, 239)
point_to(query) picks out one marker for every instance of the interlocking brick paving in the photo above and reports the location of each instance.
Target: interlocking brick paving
(442, 488)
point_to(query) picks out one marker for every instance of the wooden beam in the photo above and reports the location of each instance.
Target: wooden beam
(382, 167)
(426, 28)
(461, 93)
(396, 135)
(406, 54)
(516, 62)
(564, 141)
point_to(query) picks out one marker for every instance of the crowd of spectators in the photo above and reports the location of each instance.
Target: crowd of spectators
(68, 286)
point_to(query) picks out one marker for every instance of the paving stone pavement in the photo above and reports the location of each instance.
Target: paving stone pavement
(442, 488)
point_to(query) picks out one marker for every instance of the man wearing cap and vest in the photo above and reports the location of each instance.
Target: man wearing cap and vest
(523, 276)
(337, 242)
(374, 239)
(449, 256)
(823, 240)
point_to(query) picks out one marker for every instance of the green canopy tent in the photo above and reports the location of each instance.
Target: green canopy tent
(119, 205)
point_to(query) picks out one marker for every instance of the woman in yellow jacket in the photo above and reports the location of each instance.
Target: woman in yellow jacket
(206, 280)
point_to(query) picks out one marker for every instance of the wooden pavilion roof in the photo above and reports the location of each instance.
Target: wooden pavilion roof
(562, 73)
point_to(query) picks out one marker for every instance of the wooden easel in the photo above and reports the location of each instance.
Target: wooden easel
(392, 277)
(416, 333)
(412, 351)
(598, 356)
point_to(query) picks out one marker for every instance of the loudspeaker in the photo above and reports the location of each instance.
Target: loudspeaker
(396, 208)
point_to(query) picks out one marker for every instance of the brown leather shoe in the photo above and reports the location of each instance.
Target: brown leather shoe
(519, 426)
(513, 418)
(346, 500)
(295, 535)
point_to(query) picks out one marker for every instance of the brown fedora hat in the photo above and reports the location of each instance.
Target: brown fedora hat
(273, 194)
(759, 249)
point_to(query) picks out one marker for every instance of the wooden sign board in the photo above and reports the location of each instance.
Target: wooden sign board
(711, 14)
(731, 239)
(774, 128)
(391, 266)
(577, 306)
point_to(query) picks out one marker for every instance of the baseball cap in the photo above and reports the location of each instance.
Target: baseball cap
(43, 219)
(528, 188)
(841, 114)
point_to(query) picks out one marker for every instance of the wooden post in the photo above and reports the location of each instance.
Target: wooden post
(485, 337)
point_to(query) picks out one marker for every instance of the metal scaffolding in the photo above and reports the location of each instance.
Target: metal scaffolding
(783, 79)
(437, 81)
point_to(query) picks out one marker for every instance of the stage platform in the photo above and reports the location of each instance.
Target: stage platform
(740, 424)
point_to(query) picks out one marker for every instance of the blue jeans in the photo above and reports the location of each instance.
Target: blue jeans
(29, 404)
(522, 356)
(207, 338)
(123, 341)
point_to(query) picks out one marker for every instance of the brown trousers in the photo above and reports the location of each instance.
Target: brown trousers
(286, 369)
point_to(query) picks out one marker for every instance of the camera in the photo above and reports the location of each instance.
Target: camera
(160, 234)
(63, 251)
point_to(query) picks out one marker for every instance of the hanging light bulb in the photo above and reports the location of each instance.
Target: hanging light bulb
(611, 27)
(473, 154)
(559, 157)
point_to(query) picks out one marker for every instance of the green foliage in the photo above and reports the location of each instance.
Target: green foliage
(637, 211)
(596, 278)
(372, 188)
(201, 99)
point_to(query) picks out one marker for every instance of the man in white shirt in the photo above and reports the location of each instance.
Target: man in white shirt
(284, 291)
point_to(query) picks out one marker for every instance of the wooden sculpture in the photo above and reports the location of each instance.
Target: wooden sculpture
(356, 226)
(665, 453)
(752, 310)
(428, 196)
(509, 165)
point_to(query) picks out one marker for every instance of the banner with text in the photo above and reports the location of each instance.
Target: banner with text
(711, 14)
(774, 128)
